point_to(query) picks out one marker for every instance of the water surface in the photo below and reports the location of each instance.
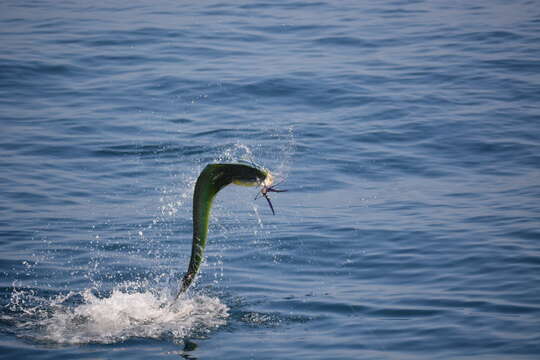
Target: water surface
(407, 134)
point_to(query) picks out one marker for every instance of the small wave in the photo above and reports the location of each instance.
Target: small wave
(86, 317)
(149, 150)
(346, 41)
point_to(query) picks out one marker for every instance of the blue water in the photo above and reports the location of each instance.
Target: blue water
(407, 134)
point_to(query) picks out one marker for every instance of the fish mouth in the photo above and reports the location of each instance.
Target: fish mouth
(268, 181)
(266, 187)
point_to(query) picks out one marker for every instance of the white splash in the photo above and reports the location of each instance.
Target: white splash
(120, 316)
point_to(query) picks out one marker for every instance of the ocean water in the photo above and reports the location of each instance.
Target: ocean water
(407, 134)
